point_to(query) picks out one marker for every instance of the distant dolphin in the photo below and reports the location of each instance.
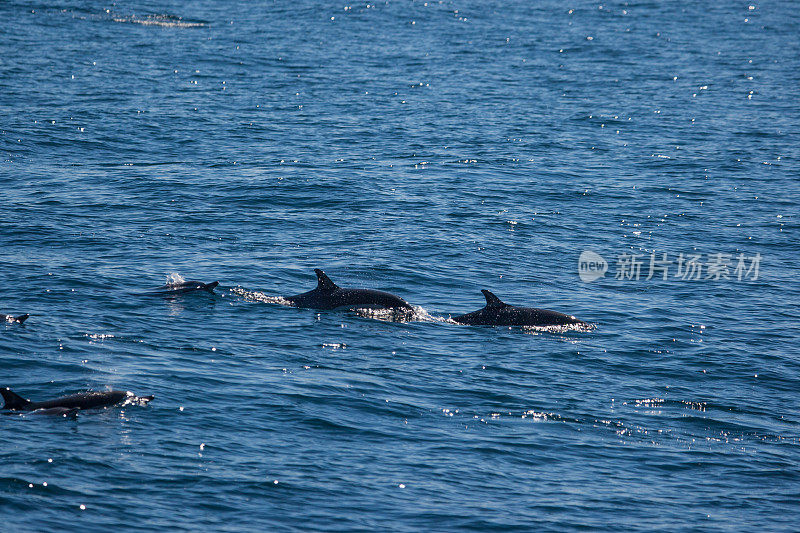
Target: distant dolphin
(19, 319)
(497, 313)
(328, 295)
(66, 404)
(184, 287)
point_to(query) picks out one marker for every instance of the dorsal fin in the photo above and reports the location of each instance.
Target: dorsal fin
(491, 299)
(324, 283)
(13, 400)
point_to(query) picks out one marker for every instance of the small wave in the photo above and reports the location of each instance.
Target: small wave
(258, 296)
(165, 21)
(99, 336)
(654, 403)
(386, 315)
(540, 416)
(332, 346)
(565, 328)
(529, 415)
(533, 330)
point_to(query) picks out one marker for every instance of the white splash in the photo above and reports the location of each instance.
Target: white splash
(165, 21)
(173, 278)
(99, 336)
(422, 315)
(257, 296)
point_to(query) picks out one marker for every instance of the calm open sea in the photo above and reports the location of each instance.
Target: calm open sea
(429, 149)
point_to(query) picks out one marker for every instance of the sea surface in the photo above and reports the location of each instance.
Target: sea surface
(429, 149)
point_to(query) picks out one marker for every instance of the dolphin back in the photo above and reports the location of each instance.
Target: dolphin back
(370, 298)
(328, 296)
(184, 287)
(498, 313)
(84, 400)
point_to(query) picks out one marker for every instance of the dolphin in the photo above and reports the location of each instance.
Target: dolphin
(328, 295)
(66, 404)
(11, 318)
(184, 287)
(497, 313)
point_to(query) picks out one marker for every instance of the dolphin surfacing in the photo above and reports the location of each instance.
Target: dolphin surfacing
(11, 318)
(67, 404)
(328, 295)
(498, 313)
(184, 287)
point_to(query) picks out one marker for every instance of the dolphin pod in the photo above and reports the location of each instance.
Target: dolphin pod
(327, 295)
(69, 405)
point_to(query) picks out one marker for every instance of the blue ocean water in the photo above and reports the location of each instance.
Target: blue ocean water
(430, 149)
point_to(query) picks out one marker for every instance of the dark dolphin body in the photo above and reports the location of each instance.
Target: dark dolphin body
(66, 405)
(11, 318)
(328, 295)
(497, 313)
(184, 287)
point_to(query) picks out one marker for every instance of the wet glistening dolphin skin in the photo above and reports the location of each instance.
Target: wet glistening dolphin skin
(11, 318)
(328, 295)
(67, 404)
(497, 313)
(185, 286)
